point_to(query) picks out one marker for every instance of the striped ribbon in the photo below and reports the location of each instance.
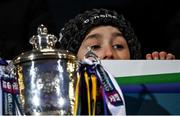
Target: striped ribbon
(95, 89)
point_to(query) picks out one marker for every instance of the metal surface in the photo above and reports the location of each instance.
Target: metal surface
(45, 77)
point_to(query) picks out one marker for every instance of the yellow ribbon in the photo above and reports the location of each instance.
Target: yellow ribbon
(88, 92)
(94, 91)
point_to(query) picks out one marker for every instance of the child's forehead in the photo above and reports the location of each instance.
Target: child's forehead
(104, 33)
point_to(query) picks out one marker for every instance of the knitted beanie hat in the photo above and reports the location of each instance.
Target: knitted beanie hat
(73, 33)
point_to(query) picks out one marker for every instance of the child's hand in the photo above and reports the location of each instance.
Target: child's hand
(160, 56)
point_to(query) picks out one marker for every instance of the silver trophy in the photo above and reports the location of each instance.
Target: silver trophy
(45, 77)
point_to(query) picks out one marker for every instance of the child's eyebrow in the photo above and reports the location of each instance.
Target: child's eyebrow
(93, 36)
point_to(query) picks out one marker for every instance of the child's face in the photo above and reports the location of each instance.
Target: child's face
(106, 42)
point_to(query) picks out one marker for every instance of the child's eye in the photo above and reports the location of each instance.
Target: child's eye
(118, 46)
(95, 47)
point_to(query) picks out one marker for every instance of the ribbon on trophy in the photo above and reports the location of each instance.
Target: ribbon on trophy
(96, 91)
(10, 91)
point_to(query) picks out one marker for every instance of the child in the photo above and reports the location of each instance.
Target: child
(108, 34)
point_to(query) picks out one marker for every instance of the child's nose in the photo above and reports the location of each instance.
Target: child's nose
(108, 53)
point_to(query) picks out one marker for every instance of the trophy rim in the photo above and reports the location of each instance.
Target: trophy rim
(43, 54)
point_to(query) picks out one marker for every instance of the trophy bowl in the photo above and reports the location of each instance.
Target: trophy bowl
(45, 77)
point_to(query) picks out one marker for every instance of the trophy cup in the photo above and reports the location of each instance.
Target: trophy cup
(45, 77)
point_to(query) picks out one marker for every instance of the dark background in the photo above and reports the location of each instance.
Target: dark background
(156, 22)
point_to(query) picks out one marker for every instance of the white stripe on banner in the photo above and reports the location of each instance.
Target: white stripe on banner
(123, 68)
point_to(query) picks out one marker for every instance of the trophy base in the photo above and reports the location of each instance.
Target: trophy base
(58, 112)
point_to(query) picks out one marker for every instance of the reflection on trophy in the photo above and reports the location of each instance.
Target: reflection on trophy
(45, 77)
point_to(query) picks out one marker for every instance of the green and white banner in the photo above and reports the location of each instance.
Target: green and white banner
(143, 71)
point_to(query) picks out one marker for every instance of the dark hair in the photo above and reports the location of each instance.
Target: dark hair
(71, 36)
